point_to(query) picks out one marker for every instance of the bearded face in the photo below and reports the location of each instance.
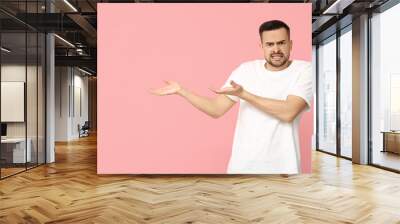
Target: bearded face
(276, 46)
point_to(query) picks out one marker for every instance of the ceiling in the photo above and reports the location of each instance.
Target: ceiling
(76, 22)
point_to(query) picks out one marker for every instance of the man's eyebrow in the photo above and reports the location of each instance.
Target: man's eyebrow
(269, 42)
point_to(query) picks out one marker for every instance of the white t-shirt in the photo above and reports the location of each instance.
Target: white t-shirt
(262, 143)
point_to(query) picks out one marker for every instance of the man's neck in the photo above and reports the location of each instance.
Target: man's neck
(275, 69)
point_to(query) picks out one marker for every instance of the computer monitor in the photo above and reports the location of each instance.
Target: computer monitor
(3, 129)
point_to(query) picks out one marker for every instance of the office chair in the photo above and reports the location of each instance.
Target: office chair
(84, 130)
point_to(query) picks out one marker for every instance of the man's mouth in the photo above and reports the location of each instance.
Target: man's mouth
(276, 56)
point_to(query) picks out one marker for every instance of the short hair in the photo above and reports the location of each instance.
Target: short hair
(273, 25)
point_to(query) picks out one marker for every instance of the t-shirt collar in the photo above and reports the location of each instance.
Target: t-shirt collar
(284, 70)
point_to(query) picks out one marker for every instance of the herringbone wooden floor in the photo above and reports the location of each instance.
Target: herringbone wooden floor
(70, 191)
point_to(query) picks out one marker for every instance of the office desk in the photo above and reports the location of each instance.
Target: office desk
(391, 141)
(13, 150)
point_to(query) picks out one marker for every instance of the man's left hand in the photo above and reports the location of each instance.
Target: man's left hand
(235, 90)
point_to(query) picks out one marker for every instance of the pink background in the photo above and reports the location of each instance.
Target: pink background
(198, 45)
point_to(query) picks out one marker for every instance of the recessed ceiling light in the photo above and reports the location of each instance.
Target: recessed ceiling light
(338, 6)
(70, 5)
(5, 49)
(84, 71)
(64, 40)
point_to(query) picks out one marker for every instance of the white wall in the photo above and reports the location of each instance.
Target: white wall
(71, 93)
(62, 81)
(9, 73)
(12, 73)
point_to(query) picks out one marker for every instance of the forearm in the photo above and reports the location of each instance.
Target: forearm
(277, 108)
(202, 103)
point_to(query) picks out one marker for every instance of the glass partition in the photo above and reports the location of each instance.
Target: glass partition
(13, 110)
(22, 88)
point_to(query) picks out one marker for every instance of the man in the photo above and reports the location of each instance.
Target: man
(272, 92)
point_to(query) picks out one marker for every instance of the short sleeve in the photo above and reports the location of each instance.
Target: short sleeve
(235, 76)
(303, 87)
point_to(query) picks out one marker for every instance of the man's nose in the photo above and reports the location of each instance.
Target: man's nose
(275, 49)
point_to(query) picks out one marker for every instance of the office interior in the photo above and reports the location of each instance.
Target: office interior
(46, 81)
(49, 74)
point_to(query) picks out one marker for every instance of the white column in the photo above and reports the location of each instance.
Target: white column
(360, 90)
(50, 100)
(50, 92)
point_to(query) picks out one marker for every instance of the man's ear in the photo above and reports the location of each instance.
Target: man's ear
(291, 44)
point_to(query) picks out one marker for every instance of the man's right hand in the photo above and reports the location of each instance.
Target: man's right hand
(172, 87)
(215, 107)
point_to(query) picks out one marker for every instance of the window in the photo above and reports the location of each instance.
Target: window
(327, 95)
(346, 74)
(385, 89)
